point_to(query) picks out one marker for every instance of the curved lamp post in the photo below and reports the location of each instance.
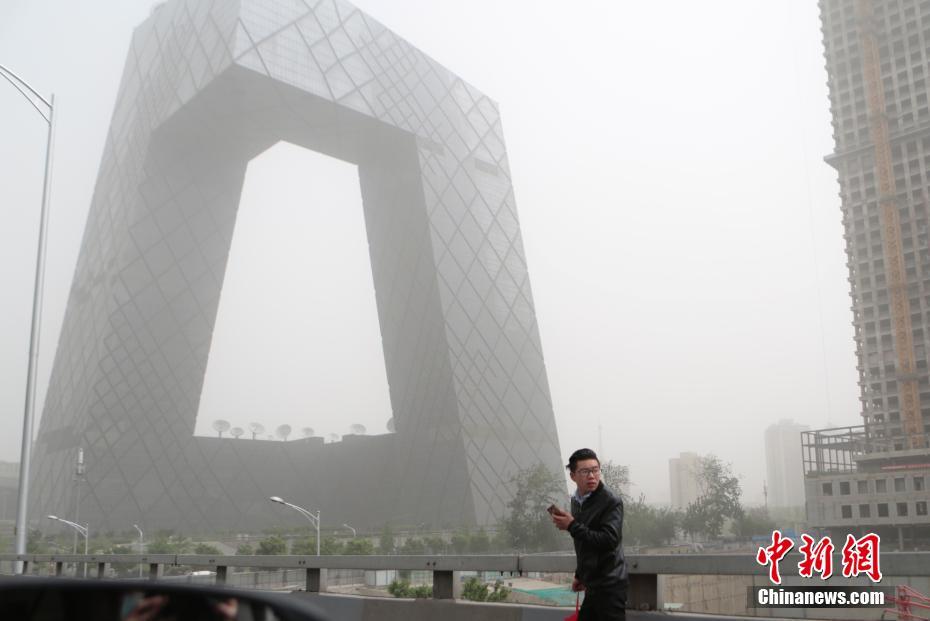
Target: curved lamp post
(314, 519)
(84, 530)
(46, 108)
(354, 532)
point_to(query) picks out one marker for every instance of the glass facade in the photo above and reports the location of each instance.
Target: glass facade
(206, 88)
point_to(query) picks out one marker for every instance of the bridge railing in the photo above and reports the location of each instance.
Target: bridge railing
(644, 569)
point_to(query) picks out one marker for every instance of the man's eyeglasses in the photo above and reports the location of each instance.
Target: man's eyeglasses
(589, 471)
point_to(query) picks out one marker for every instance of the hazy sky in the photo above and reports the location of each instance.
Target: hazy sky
(682, 232)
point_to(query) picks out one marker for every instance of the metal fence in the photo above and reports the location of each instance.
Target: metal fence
(312, 573)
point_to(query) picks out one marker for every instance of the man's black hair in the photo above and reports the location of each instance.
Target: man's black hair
(581, 455)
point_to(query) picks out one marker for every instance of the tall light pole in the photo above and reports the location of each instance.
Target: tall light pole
(84, 530)
(314, 519)
(141, 546)
(48, 114)
(352, 529)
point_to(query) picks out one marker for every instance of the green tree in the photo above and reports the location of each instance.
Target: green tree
(720, 494)
(460, 541)
(359, 547)
(617, 478)
(754, 521)
(402, 588)
(477, 591)
(413, 546)
(479, 543)
(330, 546)
(694, 519)
(647, 525)
(386, 540)
(245, 549)
(304, 545)
(271, 546)
(528, 525)
(165, 542)
(436, 545)
(36, 543)
(207, 549)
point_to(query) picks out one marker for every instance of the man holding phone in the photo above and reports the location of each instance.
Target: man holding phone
(596, 526)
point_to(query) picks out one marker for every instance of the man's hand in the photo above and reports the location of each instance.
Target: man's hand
(561, 519)
(576, 585)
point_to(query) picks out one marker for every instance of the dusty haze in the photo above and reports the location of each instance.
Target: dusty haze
(682, 232)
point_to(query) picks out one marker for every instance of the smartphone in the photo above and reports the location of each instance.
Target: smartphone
(552, 509)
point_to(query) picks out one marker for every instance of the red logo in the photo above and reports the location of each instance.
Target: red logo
(772, 554)
(860, 556)
(817, 558)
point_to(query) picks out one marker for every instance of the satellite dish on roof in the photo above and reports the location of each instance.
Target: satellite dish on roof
(220, 426)
(283, 431)
(307, 432)
(256, 428)
(357, 429)
(390, 424)
(236, 432)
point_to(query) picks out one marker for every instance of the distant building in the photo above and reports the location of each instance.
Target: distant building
(784, 474)
(874, 476)
(683, 479)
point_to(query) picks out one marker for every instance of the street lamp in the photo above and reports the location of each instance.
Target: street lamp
(48, 114)
(352, 529)
(141, 546)
(84, 530)
(314, 519)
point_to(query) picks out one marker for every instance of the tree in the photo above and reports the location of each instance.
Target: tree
(479, 543)
(166, 542)
(646, 525)
(529, 526)
(207, 549)
(330, 546)
(413, 546)
(245, 549)
(386, 540)
(460, 541)
(271, 546)
(436, 545)
(35, 543)
(719, 499)
(754, 521)
(617, 478)
(402, 588)
(360, 547)
(305, 545)
(477, 591)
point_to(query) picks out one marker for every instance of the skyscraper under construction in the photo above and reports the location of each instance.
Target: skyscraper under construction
(875, 476)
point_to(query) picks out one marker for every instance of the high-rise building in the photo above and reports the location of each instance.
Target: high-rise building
(683, 479)
(784, 475)
(878, 62)
(208, 86)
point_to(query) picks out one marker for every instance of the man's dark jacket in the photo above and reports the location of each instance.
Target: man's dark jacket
(597, 532)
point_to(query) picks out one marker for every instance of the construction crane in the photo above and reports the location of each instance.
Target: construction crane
(907, 379)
